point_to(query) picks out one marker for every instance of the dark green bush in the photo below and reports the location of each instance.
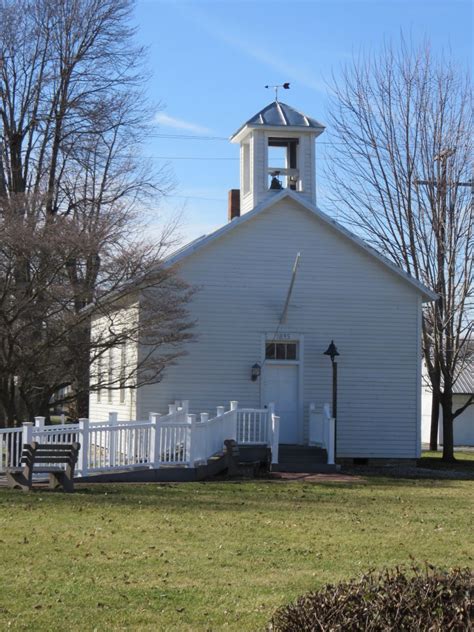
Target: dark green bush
(401, 600)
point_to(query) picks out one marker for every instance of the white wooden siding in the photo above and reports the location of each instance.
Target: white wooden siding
(110, 400)
(463, 424)
(341, 293)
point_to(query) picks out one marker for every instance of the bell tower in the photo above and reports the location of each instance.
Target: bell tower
(277, 152)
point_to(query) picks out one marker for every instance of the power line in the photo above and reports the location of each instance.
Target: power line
(187, 158)
(200, 158)
(195, 197)
(187, 137)
(212, 138)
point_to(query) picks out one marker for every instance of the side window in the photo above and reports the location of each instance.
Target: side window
(123, 358)
(100, 377)
(110, 375)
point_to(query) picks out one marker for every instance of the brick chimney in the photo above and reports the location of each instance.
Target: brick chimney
(234, 204)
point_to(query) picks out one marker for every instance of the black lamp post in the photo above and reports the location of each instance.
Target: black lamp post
(332, 352)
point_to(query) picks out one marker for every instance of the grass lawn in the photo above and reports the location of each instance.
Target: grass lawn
(211, 556)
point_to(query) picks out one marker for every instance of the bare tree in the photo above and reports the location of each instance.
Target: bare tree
(73, 187)
(402, 129)
(46, 342)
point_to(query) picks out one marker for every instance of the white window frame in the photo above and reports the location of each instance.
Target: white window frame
(123, 359)
(110, 375)
(100, 367)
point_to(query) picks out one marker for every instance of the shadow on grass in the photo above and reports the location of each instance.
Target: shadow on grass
(436, 463)
(427, 469)
(237, 497)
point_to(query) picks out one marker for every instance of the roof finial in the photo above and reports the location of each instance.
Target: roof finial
(285, 86)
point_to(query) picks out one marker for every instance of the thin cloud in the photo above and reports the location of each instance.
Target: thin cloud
(176, 123)
(269, 59)
(221, 31)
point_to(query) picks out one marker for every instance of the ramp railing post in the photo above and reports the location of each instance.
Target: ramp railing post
(234, 406)
(155, 440)
(275, 437)
(113, 417)
(193, 447)
(27, 432)
(83, 458)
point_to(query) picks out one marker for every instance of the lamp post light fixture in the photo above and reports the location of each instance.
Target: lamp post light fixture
(332, 352)
(256, 371)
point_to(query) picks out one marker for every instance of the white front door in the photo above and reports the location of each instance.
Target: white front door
(280, 386)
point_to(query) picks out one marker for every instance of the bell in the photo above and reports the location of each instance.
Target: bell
(275, 184)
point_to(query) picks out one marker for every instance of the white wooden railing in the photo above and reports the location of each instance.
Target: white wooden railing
(11, 441)
(322, 430)
(209, 434)
(252, 426)
(175, 439)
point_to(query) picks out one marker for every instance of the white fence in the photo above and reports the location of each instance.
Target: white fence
(322, 429)
(175, 439)
(11, 443)
(252, 426)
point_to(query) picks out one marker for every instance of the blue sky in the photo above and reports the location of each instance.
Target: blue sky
(211, 60)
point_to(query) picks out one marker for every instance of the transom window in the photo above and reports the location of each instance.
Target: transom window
(281, 351)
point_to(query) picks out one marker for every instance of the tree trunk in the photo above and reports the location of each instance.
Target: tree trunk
(8, 396)
(80, 383)
(434, 421)
(448, 433)
(82, 404)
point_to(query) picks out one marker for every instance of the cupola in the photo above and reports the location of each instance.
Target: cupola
(277, 152)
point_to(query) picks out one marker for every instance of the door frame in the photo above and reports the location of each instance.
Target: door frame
(286, 336)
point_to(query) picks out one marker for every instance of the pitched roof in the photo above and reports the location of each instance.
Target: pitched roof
(278, 114)
(464, 385)
(201, 242)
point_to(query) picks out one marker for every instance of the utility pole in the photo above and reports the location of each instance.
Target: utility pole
(444, 194)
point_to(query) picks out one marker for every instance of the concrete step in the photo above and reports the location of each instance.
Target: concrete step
(215, 465)
(284, 447)
(302, 463)
(302, 455)
(302, 458)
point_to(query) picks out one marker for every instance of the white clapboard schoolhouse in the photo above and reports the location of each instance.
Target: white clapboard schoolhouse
(275, 285)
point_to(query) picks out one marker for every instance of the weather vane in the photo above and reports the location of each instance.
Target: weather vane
(285, 86)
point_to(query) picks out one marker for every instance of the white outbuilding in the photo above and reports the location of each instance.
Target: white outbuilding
(463, 391)
(275, 285)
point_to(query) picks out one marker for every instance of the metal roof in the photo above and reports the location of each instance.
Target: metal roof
(278, 114)
(465, 383)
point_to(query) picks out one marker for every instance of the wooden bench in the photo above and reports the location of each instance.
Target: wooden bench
(51, 455)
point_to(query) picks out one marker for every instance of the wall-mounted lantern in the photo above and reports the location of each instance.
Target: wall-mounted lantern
(256, 371)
